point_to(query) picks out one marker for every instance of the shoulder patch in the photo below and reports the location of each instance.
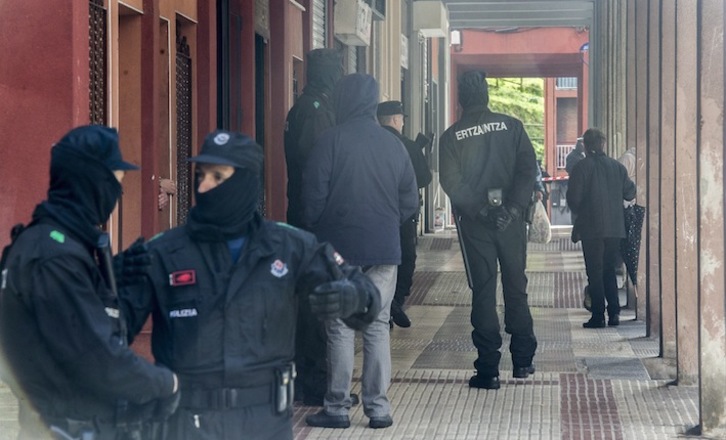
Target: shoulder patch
(316, 104)
(58, 236)
(156, 236)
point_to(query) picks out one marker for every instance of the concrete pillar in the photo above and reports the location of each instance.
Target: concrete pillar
(635, 298)
(712, 324)
(641, 145)
(686, 197)
(667, 181)
(652, 234)
(630, 83)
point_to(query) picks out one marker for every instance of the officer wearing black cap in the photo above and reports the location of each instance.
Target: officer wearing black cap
(487, 168)
(391, 117)
(223, 292)
(63, 338)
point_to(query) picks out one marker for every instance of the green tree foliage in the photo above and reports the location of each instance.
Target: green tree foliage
(522, 98)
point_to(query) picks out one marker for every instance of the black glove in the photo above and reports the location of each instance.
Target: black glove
(131, 265)
(167, 406)
(337, 299)
(506, 215)
(422, 141)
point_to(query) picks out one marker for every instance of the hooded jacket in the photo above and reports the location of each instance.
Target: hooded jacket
(359, 185)
(307, 119)
(62, 339)
(484, 150)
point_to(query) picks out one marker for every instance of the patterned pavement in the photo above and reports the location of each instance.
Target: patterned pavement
(590, 384)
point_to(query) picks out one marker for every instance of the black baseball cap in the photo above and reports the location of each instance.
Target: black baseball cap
(97, 142)
(389, 108)
(222, 147)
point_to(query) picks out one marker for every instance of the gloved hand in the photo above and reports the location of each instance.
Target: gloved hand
(167, 406)
(337, 299)
(131, 265)
(506, 215)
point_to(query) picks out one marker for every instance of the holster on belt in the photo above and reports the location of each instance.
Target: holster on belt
(285, 388)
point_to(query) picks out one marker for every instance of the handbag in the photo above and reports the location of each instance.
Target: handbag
(540, 231)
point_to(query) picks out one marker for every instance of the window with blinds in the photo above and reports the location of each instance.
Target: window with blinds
(320, 13)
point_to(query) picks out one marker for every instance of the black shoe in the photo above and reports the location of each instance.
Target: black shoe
(523, 372)
(380, 422)
(399, 316)
(354, 400)
(321, 419)
(594, 323)
(487, 383)
(614, 320)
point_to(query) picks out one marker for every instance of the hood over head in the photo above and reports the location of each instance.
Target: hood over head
(324, 69)
(356, 96)
(473, 89)
(83, 189)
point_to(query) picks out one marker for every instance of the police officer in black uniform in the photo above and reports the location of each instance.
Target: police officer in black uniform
(391, 117)
(64, 351)
(307, 119)
(487, 168)
(223, 291)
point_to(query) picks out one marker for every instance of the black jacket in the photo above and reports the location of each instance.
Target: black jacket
(61, 333)
(598, 185)
(307, 119)
(418, 160)
(217, 323)
(484, 151)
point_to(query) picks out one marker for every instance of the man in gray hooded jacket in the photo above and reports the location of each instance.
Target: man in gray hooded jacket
(358, 188)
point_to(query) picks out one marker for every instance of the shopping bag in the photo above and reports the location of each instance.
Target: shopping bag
(540, 230)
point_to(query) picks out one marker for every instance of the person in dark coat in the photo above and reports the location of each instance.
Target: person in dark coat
(64, 351)
(391, 117)
(574, 156)
(598, 186)
(223, 293)
(487, 168)
(358, 188)
(307, 119)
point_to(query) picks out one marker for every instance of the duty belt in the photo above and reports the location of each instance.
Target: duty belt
(226, 398)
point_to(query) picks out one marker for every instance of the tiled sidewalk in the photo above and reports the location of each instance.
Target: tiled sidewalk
(590, 384)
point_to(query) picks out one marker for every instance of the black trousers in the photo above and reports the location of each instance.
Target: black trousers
(310, 353)
(601, 257)
(485, 246)
(404, 279)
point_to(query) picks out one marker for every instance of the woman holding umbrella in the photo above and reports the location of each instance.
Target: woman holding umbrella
(598, 186)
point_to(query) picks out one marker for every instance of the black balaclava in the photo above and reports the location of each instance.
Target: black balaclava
(83, 189)
(225, 212)
(324, 70)
(473, 89)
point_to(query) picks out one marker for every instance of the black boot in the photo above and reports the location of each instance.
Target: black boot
(399, 316)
